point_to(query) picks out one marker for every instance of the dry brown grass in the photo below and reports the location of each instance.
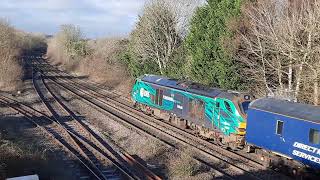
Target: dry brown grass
(55, 52)
(32, 43)
(10, 69)
(103, 64)
(183, 165)
(20, 157)
(97, 59)
(68, 47)
(25, 150)
(14, 150)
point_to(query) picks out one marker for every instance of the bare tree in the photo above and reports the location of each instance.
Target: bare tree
(103, 65)
(68, 46)
(185, 10)
(160, 30)
(155, 37)
(280, 45)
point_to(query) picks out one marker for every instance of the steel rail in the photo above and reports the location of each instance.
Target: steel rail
(58, 138)
(118, 158)
(99, 140)
(106, 106)
(205, 144)
(90, 153)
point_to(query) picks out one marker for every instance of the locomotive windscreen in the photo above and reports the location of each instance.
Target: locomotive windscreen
(245, 106)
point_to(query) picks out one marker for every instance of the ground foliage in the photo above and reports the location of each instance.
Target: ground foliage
(10, 68)
(96, 58)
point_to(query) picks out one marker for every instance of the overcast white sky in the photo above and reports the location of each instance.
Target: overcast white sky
(96, 18)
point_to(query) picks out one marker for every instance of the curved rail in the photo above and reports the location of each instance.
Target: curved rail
(93, 156)
(122, 161)
(55, 131)
(122, 114)
(104, 102)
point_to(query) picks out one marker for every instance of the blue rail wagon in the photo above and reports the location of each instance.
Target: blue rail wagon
(289, 130)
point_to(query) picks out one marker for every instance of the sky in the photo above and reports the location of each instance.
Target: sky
(96, 18)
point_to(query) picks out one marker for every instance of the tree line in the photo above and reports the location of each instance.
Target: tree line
(263, 47)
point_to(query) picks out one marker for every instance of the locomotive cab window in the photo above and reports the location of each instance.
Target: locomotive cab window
(217, 105)
(228, 106)
(314, 136)
(279, 129)
(244, 106)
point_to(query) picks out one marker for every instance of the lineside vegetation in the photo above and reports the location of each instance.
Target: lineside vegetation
(10, 69)
(97, 59)
(264, 47)
(13, 45)
(68, 47)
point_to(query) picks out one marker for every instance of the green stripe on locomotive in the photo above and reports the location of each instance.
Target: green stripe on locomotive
(228, 124)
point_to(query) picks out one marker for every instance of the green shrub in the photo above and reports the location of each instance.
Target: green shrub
(209, 61)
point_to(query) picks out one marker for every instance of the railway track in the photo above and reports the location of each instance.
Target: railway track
(60, 135)
(96, 90)
(219, 173)
(97, 150)
(120, 110)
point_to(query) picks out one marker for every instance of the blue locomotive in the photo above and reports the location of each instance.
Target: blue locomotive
(281, 133)
(284, 133)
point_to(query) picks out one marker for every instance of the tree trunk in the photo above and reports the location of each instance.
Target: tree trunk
(290, 77)
(160, 67)
(298, 82)
(316, 91)
(159, 62)
(265, 79)
(280, 75)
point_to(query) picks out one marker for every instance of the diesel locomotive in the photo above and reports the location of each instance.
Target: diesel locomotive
(278, 132)
(212, 113)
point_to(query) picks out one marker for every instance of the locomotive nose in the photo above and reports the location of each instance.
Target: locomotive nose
(242, 128)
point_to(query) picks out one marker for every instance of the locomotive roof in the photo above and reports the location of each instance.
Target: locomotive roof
(295, 110)
(187, 86)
